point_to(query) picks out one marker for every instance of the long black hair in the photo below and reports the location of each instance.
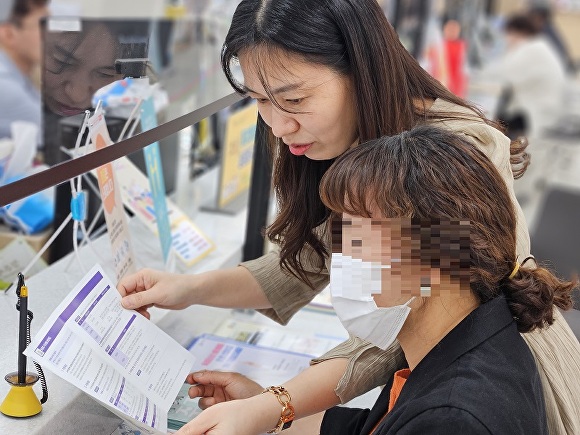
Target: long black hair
(353, 38)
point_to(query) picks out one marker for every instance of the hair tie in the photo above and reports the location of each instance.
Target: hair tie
(516, 268)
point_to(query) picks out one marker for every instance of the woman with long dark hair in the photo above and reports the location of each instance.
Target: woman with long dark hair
(328, 75)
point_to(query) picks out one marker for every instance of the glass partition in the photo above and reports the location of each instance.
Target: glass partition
(116, 55)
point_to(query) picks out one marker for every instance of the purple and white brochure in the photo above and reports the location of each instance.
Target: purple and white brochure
(117, 356)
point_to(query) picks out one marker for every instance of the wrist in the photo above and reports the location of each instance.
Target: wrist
(195, 285)
(267, 411)
(287, 413)
(199, 287)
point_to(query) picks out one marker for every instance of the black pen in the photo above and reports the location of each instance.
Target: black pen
(22, 292)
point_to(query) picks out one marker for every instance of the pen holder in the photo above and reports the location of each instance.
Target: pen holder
(21, 401)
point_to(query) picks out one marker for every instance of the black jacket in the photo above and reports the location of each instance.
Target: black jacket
(480, 379)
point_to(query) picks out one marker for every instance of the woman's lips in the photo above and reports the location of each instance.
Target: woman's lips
(68, 110)
(63, 109)
(299, 149)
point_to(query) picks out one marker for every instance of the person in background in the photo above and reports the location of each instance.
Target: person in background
(20, 55)
(541, 17)
(456, 58)
(79, 63)
(533, 77)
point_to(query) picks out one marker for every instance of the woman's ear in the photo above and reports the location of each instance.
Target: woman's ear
(6, 34)
(9, 35)
(435, 276)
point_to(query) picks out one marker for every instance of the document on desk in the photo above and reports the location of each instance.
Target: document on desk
(266, 366)
(118, 357)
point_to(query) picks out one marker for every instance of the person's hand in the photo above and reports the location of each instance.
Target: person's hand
(148, 288)
(239, 417)
(214, 387)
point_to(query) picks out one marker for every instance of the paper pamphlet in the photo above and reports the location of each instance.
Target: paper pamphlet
(261, 364)
(188, 242)
(116, 356)
(278, 337)
(183, 409)
(264, 365)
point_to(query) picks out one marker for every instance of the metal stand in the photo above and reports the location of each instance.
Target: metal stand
(260, 189)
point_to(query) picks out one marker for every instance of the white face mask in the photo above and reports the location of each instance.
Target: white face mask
(352, 283)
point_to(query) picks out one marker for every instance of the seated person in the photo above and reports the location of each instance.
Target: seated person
(542, 17)
(429, 258)
(534, 79)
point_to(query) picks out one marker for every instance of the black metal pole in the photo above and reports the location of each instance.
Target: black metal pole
(259, 200)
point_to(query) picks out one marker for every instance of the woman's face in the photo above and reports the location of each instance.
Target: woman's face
(326, 125)
(76, 66)
(380, 240)
(27, 41)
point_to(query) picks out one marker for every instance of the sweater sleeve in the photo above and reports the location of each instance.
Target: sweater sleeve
(285, 292)
(367, 368)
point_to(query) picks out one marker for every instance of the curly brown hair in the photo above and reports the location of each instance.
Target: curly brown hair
(432, 174)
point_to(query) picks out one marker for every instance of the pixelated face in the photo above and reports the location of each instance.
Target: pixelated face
(394, 247)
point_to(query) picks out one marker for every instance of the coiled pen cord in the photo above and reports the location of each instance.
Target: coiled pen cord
(29, 317)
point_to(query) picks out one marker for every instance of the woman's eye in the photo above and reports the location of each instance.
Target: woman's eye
(356, 243)
(62, 63)
(262, 100)
(105, 75)
(294, 100)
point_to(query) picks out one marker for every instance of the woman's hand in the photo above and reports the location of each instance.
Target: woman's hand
(253, 416)
(225, 288)
(215, 387)
(148, 288)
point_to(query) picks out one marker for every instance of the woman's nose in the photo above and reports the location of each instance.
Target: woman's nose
(78, 93)
(282, 123)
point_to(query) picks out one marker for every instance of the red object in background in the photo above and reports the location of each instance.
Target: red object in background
(455, 51)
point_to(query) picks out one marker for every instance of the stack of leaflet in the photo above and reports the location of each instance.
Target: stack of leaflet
(272, 335)
(264, 365)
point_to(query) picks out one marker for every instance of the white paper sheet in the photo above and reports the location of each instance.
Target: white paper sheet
(117, 356)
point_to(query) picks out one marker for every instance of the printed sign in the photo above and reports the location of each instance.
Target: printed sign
(238, 154)
(188, 242)
(122, 250)
(156, 183)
